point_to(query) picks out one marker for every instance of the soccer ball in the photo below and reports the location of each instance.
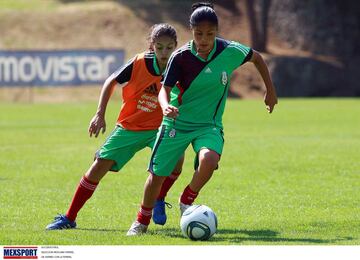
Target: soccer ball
(198, 222)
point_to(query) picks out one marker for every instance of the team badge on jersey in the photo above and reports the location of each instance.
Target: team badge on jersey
(172, 133)
(224, 78)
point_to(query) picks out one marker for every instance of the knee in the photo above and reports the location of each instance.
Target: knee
(98, 169)
(209, 159)
(155, 181)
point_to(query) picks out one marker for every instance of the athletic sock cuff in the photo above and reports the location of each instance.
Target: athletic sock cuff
(146, 211)
(190, 191)
(89, 185)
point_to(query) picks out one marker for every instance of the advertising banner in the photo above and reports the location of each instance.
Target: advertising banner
(58, 68)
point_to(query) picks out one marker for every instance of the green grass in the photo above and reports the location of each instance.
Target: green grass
(290, 178)
(39, 5)
(52, 5)
(28, 5)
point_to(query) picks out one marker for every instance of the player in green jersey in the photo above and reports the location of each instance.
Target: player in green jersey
(193, 99)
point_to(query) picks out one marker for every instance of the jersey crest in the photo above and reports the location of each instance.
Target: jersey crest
(224, 78)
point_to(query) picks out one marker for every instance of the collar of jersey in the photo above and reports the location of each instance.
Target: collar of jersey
(155, 65)
(194, 52)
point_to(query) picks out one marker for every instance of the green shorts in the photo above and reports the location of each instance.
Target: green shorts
(169, 146)
(122, 145)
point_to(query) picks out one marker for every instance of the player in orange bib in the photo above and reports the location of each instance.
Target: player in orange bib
(140, 117)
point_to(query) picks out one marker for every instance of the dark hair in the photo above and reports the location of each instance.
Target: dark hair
(159, 30)
(203, 12)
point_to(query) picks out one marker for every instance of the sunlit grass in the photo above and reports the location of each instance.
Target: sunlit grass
(291, 177)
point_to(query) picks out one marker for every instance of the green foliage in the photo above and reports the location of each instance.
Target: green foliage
(291, 177)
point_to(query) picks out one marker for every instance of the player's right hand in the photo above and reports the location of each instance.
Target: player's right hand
(171, 111)
(96, 124)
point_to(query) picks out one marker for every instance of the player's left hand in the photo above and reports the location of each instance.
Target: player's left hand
(270, 100)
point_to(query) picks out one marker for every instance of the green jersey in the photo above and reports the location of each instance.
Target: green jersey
(200, 87)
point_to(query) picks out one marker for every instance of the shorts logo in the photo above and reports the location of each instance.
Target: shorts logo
(26, 252)
(224, 78)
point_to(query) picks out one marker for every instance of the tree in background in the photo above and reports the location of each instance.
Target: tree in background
(258, 13)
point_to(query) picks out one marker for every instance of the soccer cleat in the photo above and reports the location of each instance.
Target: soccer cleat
(137, 229)
(183, 207)
(159, 214)
(61, 222)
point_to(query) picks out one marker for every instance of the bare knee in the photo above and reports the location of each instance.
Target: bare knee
(154, 180)
(98, 169)
(209, 159)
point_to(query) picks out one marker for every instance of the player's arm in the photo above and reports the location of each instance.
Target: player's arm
(270, 98)
(98, 123)
(168, 110)
(122, 75)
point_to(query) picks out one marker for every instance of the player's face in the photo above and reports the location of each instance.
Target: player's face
(204, 37)
(163, 47)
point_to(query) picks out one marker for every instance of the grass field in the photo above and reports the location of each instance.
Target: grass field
(290, 178)
(26, 5)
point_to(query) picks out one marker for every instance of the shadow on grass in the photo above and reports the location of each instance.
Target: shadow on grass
(101, 230)
(239, 236)
(233, 236)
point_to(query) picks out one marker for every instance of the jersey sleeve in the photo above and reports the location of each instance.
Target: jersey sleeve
(172, 72)
(248, 56)
(240, 53)
(123, 74)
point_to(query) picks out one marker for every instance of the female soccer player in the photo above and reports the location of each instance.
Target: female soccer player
(137, 124)
(197, 81)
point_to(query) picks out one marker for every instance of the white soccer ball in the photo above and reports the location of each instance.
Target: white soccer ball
(198, 222)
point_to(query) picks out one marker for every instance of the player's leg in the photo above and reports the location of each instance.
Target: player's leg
(208, 146)
(166, 153)
(151, 190)
(169, 181)
(87, 186)
(117, 150)
(84, 191)
(208, 161)
(159, 213)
